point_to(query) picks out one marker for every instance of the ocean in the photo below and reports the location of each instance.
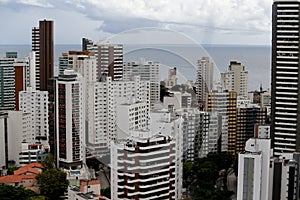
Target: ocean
(256, 59)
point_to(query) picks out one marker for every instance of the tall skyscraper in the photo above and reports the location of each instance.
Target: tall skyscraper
(67, 119)
(42, 44)
(14, 77)
(204, 82)
(235, 79)
(285, 104)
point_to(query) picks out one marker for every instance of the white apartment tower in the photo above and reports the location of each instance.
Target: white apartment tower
(147, 71)
(195, 133)
(147, 165)
(235, 79)
(204, 82)
(285, 77)
(12, 135)
(254, 170)
(111, 100)
(35, 103)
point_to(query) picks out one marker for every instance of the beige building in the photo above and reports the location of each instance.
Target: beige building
(235, 79)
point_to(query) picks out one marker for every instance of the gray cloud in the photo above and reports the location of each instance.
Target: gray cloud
(110, 17)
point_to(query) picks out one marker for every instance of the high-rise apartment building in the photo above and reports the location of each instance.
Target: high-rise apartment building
(147, 71)
(235, 79)
(110, 100)
(285, 77)
(204, 82)
(67, 118)
(254, 170)
(109, 58)
(147, 164)
(171, 81)
(247, 118)
(35, 103)
(14, 77)
(12, 135)
(224, 103)
(43, 46)
(195, 133)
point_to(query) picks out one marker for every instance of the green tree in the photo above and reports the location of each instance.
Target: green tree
(53, 183)
(187, 173)
(105, 192)
(11, 169)
(93, 163)
(8, 192)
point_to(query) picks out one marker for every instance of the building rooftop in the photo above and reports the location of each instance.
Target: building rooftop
(15, 178)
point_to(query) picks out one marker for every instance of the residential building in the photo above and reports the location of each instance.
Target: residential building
(3, 140)
(235, 79)
(147, 71)
(171, 81)
(223, 106)
(173, 99)
(31, 153)
(111, 100)
(147, 165)
(43, 46)
(35, 103)
(186, 100)
(14, 78)
(265, 99)
(254, 171)
(67, 119)
(109, 58)
(195, 133)
(24, 177)
(204, 82)
(285, 76)
(247, 118)
(12, 134)
(285, 176)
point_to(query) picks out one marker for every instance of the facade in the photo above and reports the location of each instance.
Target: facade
(235, 79)
(195, 131)
(147, 165)
(12, 134)
(109, 58)
(7, 83)
(13, 79)
(35, 103)
(67, 119)
(285, 176)
(42, 45)
(171, 81)
(254, 171)
(223, 106)
(247, 118)
(3, 140)
(147, 71)
(107, 101)
(204, 82)
(32, 153)
(285, 77)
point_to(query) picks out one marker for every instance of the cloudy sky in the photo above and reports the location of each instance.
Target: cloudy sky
(206, 21)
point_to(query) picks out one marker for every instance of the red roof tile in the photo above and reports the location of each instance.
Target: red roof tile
(24, 170)
(15, 178)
